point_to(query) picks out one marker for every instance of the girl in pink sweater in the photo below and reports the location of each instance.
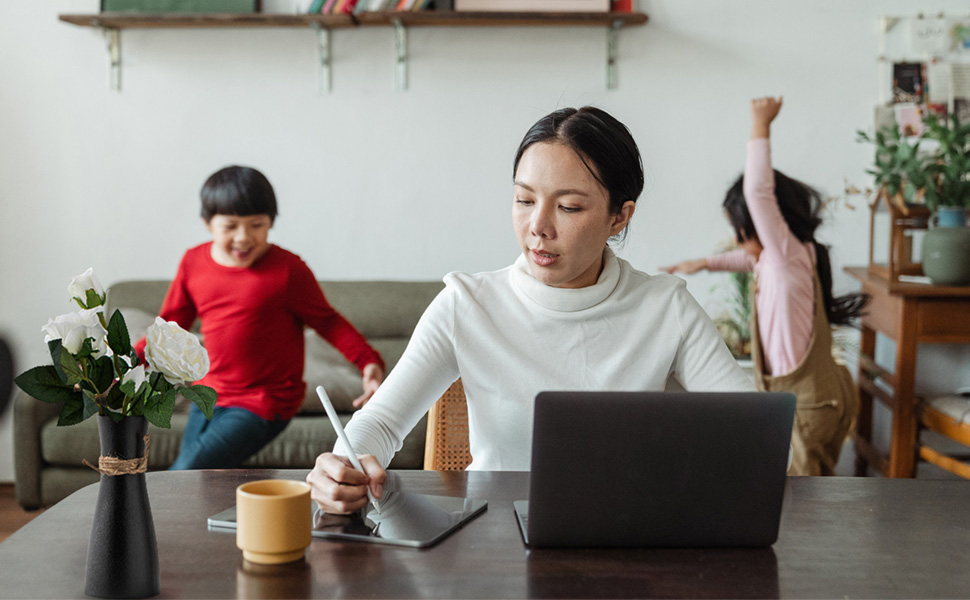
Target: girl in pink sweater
(775, 218)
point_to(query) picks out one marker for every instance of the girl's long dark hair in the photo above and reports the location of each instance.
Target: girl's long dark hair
(800, 206)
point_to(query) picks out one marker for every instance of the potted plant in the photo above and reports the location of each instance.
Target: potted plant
(934, 174)
(734, 322)
(946, 247)
(899, 170)
(95, 370)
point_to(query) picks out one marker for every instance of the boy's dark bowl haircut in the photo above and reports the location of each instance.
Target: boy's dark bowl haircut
(241, 191)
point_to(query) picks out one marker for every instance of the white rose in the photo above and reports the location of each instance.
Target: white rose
(73, 328)
(175, 353)
(80, 284)
(136, 376)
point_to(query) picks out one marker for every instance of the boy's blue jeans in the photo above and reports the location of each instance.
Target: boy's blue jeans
(225, 442)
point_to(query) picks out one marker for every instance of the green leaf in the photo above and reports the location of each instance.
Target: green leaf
(102, 372)
(71, 368)
(92, 299)
(158, 381)
(87, 348)
(55, 347)
(128, 388)
(76, 410)
(203, 396)
(115, 416)
(136, 406)
(118, 338)
(159, 407)
(45, 384)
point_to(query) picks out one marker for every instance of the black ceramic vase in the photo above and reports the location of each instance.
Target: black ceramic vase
(122, 552)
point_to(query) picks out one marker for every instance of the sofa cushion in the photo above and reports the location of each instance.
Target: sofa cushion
(326, 366)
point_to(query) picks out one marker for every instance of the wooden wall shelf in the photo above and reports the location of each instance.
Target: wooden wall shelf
(205, 20)
(412, 19)
(113, 23)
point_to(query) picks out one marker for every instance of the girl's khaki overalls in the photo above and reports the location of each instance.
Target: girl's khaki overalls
(828, 400)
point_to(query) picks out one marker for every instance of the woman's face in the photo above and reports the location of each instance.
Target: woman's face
(561, 216)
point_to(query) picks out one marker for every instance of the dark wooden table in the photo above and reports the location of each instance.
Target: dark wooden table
(910, 314)
(840, 537)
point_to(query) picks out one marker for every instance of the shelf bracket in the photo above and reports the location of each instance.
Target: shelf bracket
(401, 43)
(612, 41)
(324, 81)
(113, 38)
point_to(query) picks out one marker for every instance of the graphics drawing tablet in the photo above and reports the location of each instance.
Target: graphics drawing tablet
(405, 519)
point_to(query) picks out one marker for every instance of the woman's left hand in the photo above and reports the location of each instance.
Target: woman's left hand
(372, 377)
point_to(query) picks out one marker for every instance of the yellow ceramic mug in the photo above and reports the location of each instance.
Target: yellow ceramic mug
(273, 520)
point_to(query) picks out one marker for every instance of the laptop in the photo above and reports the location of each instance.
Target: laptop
(657, 469)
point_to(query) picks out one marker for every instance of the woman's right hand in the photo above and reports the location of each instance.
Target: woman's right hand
(687, 267)
(339, 488)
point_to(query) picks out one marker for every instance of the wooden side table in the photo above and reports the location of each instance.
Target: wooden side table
(909, 314)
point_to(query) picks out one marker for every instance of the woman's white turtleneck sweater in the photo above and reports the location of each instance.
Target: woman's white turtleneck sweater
(509, 337)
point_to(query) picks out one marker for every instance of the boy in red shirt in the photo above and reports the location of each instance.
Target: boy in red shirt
(253, 299)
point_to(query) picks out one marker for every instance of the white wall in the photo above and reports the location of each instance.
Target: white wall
(375, 183)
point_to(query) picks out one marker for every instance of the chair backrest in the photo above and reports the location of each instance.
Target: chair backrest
(446, 444)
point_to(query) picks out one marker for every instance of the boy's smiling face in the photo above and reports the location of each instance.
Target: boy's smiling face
(239, 241)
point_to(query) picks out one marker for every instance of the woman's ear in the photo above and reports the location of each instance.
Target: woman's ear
(622, 218)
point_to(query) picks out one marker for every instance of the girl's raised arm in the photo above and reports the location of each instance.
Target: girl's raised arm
(759, 182)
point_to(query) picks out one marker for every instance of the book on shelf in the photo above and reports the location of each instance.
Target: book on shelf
(344, 7)
(315, 7)
(328, 6)
(532, 5)
(622, 6)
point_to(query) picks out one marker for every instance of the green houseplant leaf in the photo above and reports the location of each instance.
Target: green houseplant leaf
(946, 173)
(77, 409)
(158, 408)
(118, 338)
(203, 396)
(45, 384)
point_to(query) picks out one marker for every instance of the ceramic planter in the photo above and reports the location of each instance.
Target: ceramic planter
(946, 248)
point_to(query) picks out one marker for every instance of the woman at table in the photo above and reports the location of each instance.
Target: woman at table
(567, 315)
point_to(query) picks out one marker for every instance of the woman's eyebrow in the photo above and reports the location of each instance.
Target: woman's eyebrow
(557, 193)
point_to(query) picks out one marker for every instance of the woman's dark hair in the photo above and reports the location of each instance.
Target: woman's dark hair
(604, 145)
(240, 191)
(800, 206)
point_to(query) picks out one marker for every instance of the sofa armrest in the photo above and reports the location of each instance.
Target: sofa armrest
(29, 417)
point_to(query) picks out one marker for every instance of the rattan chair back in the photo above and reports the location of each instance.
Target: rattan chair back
(446, 444)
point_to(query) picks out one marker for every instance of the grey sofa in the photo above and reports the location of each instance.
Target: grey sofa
(47, 458)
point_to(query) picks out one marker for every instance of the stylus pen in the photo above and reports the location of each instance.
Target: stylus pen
(342, 435)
